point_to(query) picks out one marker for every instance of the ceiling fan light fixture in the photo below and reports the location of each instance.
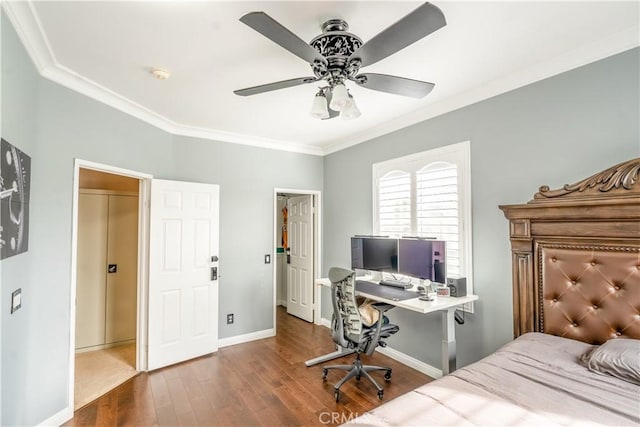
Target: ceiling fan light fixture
(350, 110)
(319, 107)
(339, 97)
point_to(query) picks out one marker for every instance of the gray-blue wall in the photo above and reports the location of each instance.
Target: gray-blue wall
(554, 132)
(54, 125)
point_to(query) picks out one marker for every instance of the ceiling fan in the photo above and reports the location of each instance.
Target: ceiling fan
(336, 56)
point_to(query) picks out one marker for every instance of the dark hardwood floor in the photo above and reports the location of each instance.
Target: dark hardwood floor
(260, 383)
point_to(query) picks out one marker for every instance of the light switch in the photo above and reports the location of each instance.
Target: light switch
(16, 300)
(267, 259)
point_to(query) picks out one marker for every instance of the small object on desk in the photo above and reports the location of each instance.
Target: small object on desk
(396, 283)
(457, 286)
(425, 295)
(422, 291)
(443, 291)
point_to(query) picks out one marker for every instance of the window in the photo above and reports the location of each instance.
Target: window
(428, 194)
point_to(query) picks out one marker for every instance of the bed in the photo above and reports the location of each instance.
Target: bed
(575, 359)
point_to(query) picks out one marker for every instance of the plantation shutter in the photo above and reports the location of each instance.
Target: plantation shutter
(437, 208)
(394, 203)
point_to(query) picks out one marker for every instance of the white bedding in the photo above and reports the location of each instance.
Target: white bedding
(535, 380)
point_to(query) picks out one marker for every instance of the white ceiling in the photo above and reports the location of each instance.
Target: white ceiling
(106, 50)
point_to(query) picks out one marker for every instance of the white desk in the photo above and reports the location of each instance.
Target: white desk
(446, 305)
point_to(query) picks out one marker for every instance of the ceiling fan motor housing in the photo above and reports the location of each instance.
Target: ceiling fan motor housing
(336, 45)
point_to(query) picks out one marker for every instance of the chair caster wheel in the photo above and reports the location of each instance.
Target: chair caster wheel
(380, 394)
(336, 394)
(387, 376)
(357, 377)
(324, 374)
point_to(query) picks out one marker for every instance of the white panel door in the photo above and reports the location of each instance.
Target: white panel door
(91, 278)
(300, 267)
(183, 289)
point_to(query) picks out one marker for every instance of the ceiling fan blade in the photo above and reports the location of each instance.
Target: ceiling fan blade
(394, 84)
(274, 86)
(416, 25)
(273, 30)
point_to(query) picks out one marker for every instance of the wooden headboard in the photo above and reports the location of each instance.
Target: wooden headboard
(576, 258)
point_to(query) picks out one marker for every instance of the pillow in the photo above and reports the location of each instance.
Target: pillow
(619, 357)
(368, 314)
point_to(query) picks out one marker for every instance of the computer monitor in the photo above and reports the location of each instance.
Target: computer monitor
(374, 253)
(422, 258)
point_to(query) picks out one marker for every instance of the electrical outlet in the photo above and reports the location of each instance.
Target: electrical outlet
(229, 318)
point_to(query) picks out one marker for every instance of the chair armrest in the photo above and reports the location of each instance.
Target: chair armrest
(383, 307)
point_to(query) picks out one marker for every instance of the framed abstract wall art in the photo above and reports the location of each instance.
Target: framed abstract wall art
(15, 179)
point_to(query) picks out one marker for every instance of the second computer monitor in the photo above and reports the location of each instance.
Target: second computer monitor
(422, 258)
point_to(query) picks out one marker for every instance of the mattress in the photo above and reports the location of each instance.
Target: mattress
(534, 380)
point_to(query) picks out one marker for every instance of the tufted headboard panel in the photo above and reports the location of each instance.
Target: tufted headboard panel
(589, 293)
(576, 258)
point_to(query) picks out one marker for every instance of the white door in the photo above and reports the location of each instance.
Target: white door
(183, 263)
(300, 266)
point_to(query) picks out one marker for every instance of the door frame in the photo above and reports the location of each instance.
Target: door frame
(143, 260)
(317, 247)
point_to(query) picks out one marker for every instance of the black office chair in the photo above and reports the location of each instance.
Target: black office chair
(348, 331)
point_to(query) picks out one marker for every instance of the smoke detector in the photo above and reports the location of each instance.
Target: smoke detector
(160, 74)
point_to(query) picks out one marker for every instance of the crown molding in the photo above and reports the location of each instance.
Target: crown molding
(27, 24)
(612, 45)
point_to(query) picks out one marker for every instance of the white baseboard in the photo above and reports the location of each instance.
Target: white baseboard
(406, 360)
(58, 419)
(325, 322)
(239, 339)
(411, 362)
(104, 346)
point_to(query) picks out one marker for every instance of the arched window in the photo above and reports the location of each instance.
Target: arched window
(428, 194)
(394, 202)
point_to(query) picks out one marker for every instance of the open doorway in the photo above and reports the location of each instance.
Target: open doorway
(108, 279)
(297, 252)
(106, 283)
